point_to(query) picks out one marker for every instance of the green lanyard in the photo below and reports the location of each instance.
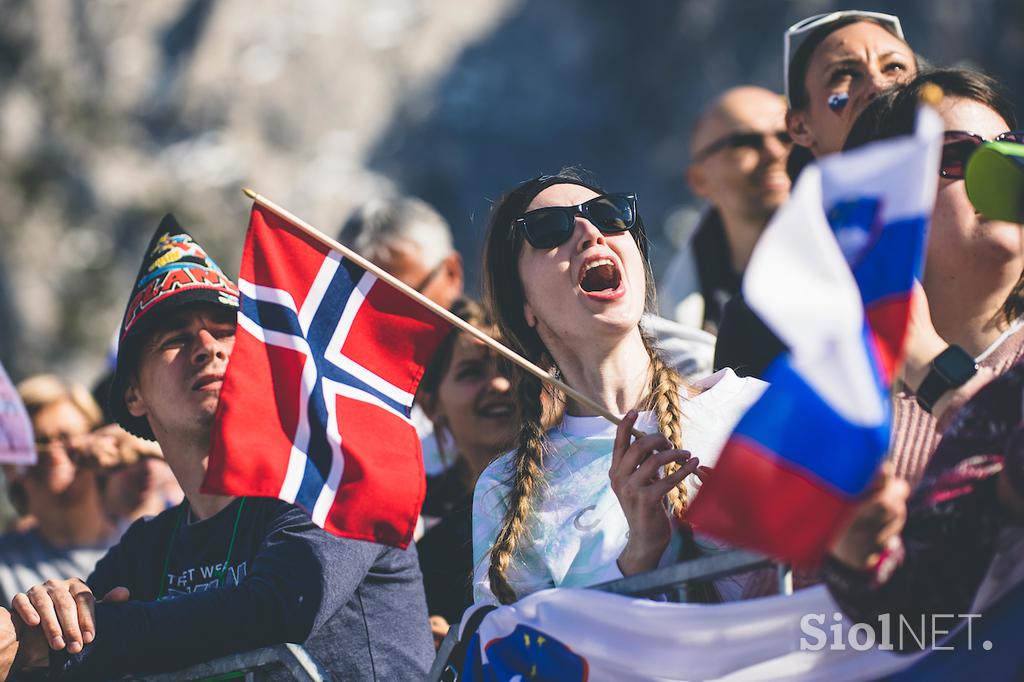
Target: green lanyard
(174, 534)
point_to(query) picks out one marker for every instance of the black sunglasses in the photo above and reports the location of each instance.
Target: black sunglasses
(546, 228)
(755, 141)
(958, 146)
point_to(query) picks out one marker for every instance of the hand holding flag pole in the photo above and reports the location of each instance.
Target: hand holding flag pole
(438, 310)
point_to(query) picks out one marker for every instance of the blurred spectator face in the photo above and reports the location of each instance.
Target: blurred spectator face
(144, 488)
(474, 402)
(55, 473)
(739, 153)
(845, 72)
(959, 235)
(441, 283)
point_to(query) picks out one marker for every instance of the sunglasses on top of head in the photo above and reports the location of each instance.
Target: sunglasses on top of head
(551, 226)
(958, 146)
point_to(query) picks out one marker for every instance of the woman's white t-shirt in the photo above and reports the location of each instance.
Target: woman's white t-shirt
(577, 529)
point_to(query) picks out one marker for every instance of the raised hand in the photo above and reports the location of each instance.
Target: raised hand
(876, 524)
(641, 492)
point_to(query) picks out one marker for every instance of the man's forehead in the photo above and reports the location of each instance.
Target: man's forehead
(745, 108)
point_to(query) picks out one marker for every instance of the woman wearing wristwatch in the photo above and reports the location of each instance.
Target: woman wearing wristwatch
(958, 545)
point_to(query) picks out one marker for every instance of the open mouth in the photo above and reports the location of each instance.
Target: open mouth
(600, 278)
(499, 410)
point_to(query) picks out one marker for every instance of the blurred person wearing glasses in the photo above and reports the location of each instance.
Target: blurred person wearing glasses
(738, 152)
(973, 265)
(410, 240)
(65, 529)
(972, 300)
(957, 545)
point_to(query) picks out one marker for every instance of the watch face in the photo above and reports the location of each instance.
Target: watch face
(955, 365)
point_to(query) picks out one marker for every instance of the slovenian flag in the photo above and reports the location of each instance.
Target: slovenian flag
(832, 277)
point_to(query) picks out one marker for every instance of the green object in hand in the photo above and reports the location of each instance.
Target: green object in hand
(995, 181)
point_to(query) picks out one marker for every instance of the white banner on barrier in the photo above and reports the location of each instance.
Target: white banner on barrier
(568, 634)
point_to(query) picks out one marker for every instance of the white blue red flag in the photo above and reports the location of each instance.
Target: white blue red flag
(316, 400)
(801, 457)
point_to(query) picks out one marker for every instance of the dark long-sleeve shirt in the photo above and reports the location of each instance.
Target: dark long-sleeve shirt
(357, 607)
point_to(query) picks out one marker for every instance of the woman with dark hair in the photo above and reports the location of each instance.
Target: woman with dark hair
(962, 544)
(467, 397)
(567, 278)
(972, 264)
(835, 64)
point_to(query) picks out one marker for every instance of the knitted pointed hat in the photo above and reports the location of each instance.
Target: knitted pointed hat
(175, 271)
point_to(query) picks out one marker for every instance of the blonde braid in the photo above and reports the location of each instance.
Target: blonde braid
(666, 385)
(527, 475)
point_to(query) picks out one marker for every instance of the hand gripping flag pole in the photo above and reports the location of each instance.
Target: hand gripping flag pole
(438, 310)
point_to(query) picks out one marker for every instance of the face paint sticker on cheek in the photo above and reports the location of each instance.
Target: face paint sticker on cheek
(838, 101)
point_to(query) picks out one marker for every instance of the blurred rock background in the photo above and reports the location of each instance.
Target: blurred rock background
(113, 112)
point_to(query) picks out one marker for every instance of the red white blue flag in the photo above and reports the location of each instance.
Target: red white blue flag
(832, 277)
(316, 400)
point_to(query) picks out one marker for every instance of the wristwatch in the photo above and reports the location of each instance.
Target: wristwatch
(952, 368)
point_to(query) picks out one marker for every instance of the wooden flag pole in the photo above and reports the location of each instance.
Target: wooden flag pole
(455, 320)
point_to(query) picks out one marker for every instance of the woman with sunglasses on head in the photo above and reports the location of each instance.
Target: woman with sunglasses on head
(567, 279)
(834, 65)
(467, 397)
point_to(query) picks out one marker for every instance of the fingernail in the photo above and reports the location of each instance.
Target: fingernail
(88, 637)
(58, 642)
(74, 647)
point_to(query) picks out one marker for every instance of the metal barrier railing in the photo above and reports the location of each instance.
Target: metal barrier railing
(278, 662)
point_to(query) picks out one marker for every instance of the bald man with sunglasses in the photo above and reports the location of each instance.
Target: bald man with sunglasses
(738, 152)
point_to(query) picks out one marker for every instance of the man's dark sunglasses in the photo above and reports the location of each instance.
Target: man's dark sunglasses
(546, 228)
(755, 141)
(960, 144)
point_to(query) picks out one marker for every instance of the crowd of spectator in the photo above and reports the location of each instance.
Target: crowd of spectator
(113, 561)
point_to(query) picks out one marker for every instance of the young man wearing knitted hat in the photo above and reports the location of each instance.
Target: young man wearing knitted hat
(215, 575)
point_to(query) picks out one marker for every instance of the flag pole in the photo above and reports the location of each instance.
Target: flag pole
(458, 322)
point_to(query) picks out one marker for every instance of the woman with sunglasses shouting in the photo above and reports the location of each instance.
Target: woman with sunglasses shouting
(973, 265)
(567, 278)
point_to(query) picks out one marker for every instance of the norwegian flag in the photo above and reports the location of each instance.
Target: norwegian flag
(315, 404)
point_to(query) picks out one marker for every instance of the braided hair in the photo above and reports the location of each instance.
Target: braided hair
(504, 295)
